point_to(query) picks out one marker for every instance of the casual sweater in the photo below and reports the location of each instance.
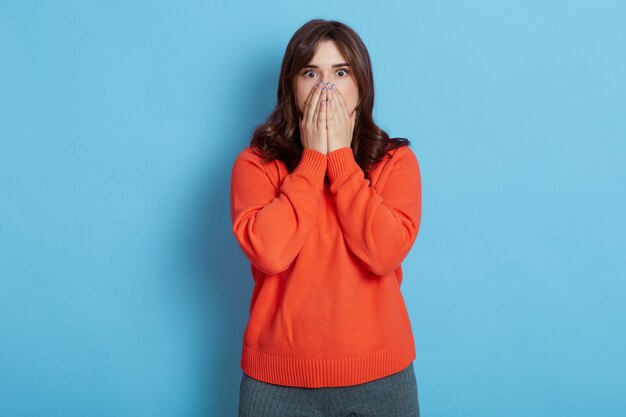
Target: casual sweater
(325, 247)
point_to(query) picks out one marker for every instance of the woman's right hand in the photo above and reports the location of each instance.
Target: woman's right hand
(313, 121)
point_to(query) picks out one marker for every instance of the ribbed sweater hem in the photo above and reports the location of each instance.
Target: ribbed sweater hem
(317, 373)
(312, 164)
(341, 163)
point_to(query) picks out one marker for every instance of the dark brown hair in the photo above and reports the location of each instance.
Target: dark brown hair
(279, 136)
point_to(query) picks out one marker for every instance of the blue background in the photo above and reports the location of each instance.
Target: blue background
(123, 291)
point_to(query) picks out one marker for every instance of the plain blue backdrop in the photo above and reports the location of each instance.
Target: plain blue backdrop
(123, 291)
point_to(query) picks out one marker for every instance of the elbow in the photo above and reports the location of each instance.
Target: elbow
(269, 266)
(388, 262)
(383, 264)
(383, 269)
(265, 260)
(267, 256)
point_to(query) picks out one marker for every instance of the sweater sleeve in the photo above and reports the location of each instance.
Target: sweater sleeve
(270, 224)
(379, 228)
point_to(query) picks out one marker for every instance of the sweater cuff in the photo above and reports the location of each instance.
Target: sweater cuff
(312, 164)
(341, 162)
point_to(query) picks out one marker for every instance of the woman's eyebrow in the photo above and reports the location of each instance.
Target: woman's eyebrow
(343, 64)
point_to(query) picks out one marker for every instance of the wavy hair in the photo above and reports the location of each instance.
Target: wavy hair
(279, 137)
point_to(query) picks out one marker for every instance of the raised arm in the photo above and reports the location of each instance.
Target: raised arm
(378, 227)
(271, 225)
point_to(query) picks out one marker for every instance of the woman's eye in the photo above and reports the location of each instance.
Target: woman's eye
(306, 74)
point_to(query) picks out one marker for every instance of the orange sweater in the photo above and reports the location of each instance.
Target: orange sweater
(326, 253)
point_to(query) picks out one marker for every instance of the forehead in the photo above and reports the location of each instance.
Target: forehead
(326, 55)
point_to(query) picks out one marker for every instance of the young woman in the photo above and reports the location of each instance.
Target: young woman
(326, 206)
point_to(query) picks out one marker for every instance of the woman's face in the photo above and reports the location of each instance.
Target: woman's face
(328, 65)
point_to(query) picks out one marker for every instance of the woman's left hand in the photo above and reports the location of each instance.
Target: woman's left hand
(339, 124)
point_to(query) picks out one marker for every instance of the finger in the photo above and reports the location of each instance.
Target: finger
(321, 116)
(305, 109)
(312, 103)
(308, 97)
(326, 112)
(315, 104)
(338, 113)
(341, 104)
(330, 109)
